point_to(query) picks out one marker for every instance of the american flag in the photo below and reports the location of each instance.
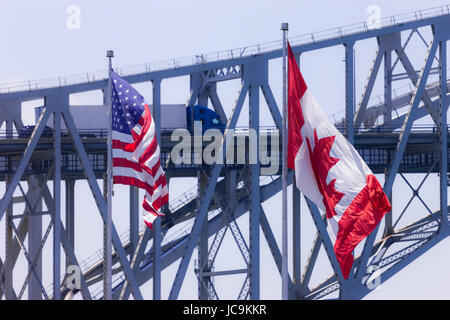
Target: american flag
(135, 150)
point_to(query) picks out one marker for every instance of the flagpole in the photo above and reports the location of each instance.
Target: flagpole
(284, 255)
(107, 285)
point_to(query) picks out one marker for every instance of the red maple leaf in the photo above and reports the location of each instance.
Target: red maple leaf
(322, 162)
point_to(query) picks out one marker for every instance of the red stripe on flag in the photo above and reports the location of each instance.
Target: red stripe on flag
(148, 224)
(122, 162)
(296, 89)
(359, 220)
(158, 203)
(131, 181)
(155, 168)
(161, 181)
(147, 154)
(118, 144)
(149, 208)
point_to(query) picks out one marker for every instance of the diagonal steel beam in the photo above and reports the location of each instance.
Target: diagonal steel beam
(401, 145)
(73, 260)
(68, 249)
(326, 240)
(240, 241)
(195, 232)
(403, 48)
(272, 104)
(23, 224)
(217, 105)
(24, 161)
(369, 87)
(414, 78)
(311, 260)
(30, 262)
(272, 243)
(135, 262)
(406, 127)
(203, 210)
(100, 201)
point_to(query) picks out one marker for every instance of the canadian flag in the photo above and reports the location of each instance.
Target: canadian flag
(330, 172)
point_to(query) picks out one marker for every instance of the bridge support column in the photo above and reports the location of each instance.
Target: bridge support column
(349, 90)
(8, 278)
(254, 194)
(70, 214)
(443, 136)
(35, 238)
(157, 259)
(202, 247)
(296, 242)
(134, 219)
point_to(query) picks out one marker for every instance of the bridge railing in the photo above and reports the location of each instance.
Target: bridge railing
(269, 130)
(257, 49)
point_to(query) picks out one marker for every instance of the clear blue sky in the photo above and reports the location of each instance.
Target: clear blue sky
(37, 44)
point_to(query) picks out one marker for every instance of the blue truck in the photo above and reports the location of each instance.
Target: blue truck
(93, 119)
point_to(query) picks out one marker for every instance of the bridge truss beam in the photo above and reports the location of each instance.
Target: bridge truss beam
(226, 194)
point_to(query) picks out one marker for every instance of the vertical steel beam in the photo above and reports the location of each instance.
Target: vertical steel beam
(8, 248)
(443, 136)
(202, 247)
(296, 232)
(388, 87)
(134, 219)
(203, 97)
(9, 129)
(388, 120)
(349, 90)
(255, 197)
(70, 214)
(156, 259)
(156, 89)
(34, 238)
(57, 208)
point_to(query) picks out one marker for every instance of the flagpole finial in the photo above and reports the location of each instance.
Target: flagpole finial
(110, 53)
(285, 26)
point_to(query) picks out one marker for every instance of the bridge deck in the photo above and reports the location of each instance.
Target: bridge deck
(375, 147)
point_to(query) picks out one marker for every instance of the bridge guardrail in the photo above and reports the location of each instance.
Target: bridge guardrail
(222, 55)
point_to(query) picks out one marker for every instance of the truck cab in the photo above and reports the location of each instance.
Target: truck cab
(209, 118)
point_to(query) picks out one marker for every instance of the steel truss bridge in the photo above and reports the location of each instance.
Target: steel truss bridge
(385, 134)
